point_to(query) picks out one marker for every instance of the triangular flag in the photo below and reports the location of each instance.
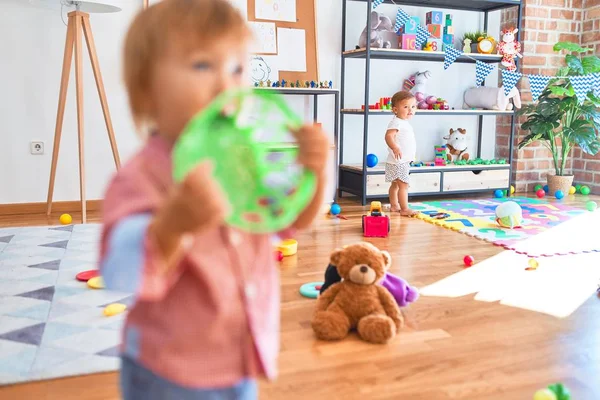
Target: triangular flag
(422, 36)
(482, 70)
(596, 83)
(401, 18)
(376, 3)
(538, 83)
(510, 79)
(582, 84)
(450, 55)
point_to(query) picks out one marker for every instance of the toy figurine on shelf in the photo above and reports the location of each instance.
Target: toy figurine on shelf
(509, 48)
(467, 46)
(428, 47)
(268, 83)
(283, 83)
(330, 84)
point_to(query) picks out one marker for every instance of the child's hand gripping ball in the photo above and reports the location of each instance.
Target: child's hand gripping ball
(267, 179)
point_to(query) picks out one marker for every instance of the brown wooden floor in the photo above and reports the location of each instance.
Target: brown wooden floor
(454, 348)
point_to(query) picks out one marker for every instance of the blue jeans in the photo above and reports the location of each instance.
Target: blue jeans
(138, 383)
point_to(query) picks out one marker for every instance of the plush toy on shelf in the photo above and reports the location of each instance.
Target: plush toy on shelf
(467, 46)
(456, 145)
(417, 85)
(491, 98)
(379, 24)
(509, 48)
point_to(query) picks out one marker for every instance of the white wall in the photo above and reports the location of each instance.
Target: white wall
(32, 45)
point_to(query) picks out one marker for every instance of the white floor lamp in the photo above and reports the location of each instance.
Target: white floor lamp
(78, 23)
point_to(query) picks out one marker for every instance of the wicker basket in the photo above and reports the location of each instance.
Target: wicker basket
(562, 183)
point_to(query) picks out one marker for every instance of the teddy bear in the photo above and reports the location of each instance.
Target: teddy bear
(358, 302)
(379, 24)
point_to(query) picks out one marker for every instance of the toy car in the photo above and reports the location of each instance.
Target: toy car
(376, 224)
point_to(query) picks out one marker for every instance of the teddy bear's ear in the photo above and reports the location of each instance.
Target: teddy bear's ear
(336, 256)
(386, 258)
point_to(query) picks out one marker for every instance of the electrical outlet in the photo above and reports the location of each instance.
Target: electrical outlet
(36, 148)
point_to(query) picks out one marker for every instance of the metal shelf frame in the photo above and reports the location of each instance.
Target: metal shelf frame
(368, 54)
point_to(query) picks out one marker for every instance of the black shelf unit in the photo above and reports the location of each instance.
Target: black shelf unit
(346, 174)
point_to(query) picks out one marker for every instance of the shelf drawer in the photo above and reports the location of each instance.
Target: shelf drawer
(426, 182)
(476, 180)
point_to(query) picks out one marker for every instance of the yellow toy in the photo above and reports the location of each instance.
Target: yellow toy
(114, 309)
(428, 47)
(65, 219)
(376, 209)
(96, 283)
(288, 247)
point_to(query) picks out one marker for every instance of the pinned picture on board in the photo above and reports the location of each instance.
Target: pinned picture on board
(263, 69)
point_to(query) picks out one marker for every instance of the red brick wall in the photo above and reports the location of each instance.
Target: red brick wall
(545, 22)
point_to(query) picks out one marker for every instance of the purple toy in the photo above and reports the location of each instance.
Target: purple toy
(400, 289)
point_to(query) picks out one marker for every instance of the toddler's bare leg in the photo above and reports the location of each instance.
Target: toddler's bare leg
(394, 188)
(403, 199)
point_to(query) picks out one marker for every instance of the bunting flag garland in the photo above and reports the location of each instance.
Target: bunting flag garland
(596, 83)
(401, 18)
(376, 3)
(422, 36)
(450, 55)
(538, 83)
(510, 79)
(582, 85)
(482, 70)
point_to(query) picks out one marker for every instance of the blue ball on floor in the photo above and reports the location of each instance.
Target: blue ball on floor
(559, 194)
(335, 209)
(372, 160)
(499, 194)
(546, 189)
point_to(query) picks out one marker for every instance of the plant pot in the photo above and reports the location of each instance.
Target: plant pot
(562, 183)
(474, 48)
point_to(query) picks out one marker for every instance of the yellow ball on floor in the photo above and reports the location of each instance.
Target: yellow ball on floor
(65, 219)
(512, 189)
(544, 394)
(573, 190)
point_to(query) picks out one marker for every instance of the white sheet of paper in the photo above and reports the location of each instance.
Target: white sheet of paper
(276, 10)
(241, 5)
(265, 39)
(291, 46)
(264, 68)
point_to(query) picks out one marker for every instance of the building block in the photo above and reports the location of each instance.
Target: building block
(448, 30)
(436, 44)
(411, 26)
(435, 30)
(448, 39)
(409, 42)
(434, 17)
(448, 19)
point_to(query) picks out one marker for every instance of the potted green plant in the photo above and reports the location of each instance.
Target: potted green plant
(474, 37)
(560, 121)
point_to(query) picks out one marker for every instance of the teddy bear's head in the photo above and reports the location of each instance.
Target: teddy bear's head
(361, 263)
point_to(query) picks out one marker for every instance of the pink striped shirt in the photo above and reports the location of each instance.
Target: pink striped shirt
(214, 320)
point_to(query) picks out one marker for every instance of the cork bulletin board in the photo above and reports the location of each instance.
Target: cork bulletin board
(305, 20)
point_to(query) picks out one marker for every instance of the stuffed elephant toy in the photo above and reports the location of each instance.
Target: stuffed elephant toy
(379, 23)
(491, 98)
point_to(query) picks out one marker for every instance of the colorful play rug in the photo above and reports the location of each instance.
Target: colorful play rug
(558, 286)
(52, 325)
(477, 218)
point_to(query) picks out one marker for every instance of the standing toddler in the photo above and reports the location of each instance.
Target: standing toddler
(205, 322)
(402, 147)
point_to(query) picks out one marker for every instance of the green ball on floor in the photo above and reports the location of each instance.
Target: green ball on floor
(591, 205)
(585, 190)
(537, 187)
